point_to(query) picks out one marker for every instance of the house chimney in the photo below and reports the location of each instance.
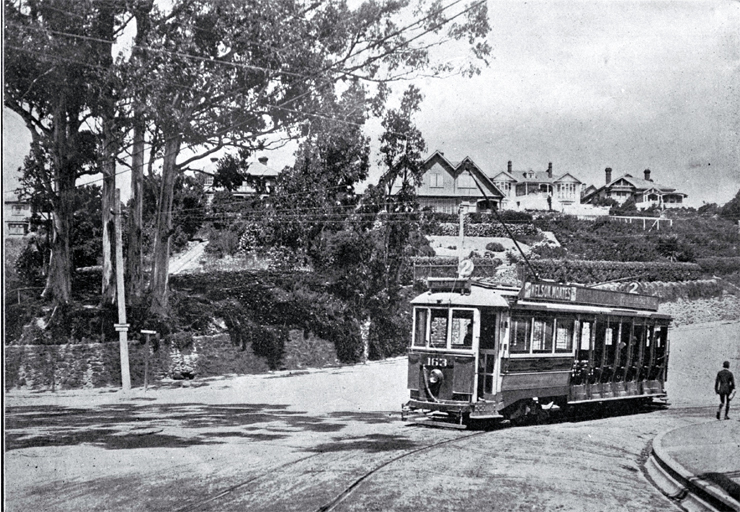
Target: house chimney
(647, 175)
(608, 172)
(509, 167)
(263, 160)
(549, 170)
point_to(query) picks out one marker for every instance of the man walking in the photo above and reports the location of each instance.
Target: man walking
(724, 385)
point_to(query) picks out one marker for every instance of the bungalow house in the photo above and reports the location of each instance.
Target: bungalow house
(537, 190)
(644, 191)
(446, 186)
(16, 214)
(259, 179)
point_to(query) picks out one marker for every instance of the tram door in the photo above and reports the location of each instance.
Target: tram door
(488, 353)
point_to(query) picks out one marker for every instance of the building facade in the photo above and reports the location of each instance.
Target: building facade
(537, 190)
(259, 180)
(644, 191)
(446, 186)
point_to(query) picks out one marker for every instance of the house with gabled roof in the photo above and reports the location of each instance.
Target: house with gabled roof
(537, 190)
(259, 179)
(447, 185)
(644, 191)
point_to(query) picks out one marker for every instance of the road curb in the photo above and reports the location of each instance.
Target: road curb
(683, 487)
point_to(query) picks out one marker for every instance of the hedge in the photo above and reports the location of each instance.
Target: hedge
(583, 271)
(487, 230)
(719, 266)
(446, 266)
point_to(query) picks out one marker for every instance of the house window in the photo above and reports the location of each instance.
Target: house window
(436, 180)
(17, 209)
(504, 187)
(17, 228)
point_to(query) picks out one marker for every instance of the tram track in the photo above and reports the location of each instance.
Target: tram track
(225, 492)
(331, 505)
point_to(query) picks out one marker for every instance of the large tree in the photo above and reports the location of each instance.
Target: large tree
(53, 74)
(229, 73)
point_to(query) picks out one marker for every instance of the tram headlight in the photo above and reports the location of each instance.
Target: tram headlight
(436, 376)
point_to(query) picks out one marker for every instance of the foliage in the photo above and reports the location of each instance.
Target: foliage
(87, 242)
(719, 266)
(731, 210)
(259, 308)
(495, 247)
(578, 271)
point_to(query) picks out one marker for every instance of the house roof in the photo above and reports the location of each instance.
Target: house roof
(531, 176)
(466, 164)
(640, 185)
(256, 168)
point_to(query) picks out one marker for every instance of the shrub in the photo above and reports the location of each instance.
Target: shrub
(495, 247)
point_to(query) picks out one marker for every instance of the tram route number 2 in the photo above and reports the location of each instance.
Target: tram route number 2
(436, 361)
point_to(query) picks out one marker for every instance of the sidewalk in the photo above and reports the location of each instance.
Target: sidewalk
(699, 466)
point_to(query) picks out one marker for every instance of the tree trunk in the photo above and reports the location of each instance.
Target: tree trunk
(160, 271)
(59, 279)
(135, 261)
(108, 291)
(107, 155)
(135, 280)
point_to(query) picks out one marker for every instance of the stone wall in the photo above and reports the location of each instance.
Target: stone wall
(98, 364)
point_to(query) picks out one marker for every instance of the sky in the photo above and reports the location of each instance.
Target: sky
(585, 85)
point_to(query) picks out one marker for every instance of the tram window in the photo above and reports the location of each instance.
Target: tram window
(564, 335)
(542, 335)
(420, 328)
(585, 335)
(438, 329)
(520, 335)
(624, 343)
(599, 342)
(462, 328)
(638, 349)
(488, 330)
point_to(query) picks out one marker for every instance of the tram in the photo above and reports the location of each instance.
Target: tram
(485, 351)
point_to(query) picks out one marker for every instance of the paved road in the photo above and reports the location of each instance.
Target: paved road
(266, 443)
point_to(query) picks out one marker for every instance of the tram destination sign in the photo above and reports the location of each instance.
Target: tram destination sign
(558, 292)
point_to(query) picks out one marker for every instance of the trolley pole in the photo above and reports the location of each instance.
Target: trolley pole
(121, 326)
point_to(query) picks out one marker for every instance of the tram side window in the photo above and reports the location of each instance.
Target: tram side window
(585, 340)
(520, 335)
(610, 343)
(488, 330)
(624, 343)
(462, 328)
(420, 329)
(542, 335)
(661, 334)
(438, 329)
(599, 343)
(564, 335)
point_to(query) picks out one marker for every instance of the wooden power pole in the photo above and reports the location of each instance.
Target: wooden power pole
(121, 326)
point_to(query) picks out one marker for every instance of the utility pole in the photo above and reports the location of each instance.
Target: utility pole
(121, 326)
(461, 234)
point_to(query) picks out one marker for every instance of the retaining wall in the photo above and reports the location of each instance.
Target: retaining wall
(98, 364)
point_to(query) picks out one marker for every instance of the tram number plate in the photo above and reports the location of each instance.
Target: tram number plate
(436, 361)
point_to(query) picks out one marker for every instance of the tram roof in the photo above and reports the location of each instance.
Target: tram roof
(579, 308)
(475, 297)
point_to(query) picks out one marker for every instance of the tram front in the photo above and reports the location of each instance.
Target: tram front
(456, 335)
